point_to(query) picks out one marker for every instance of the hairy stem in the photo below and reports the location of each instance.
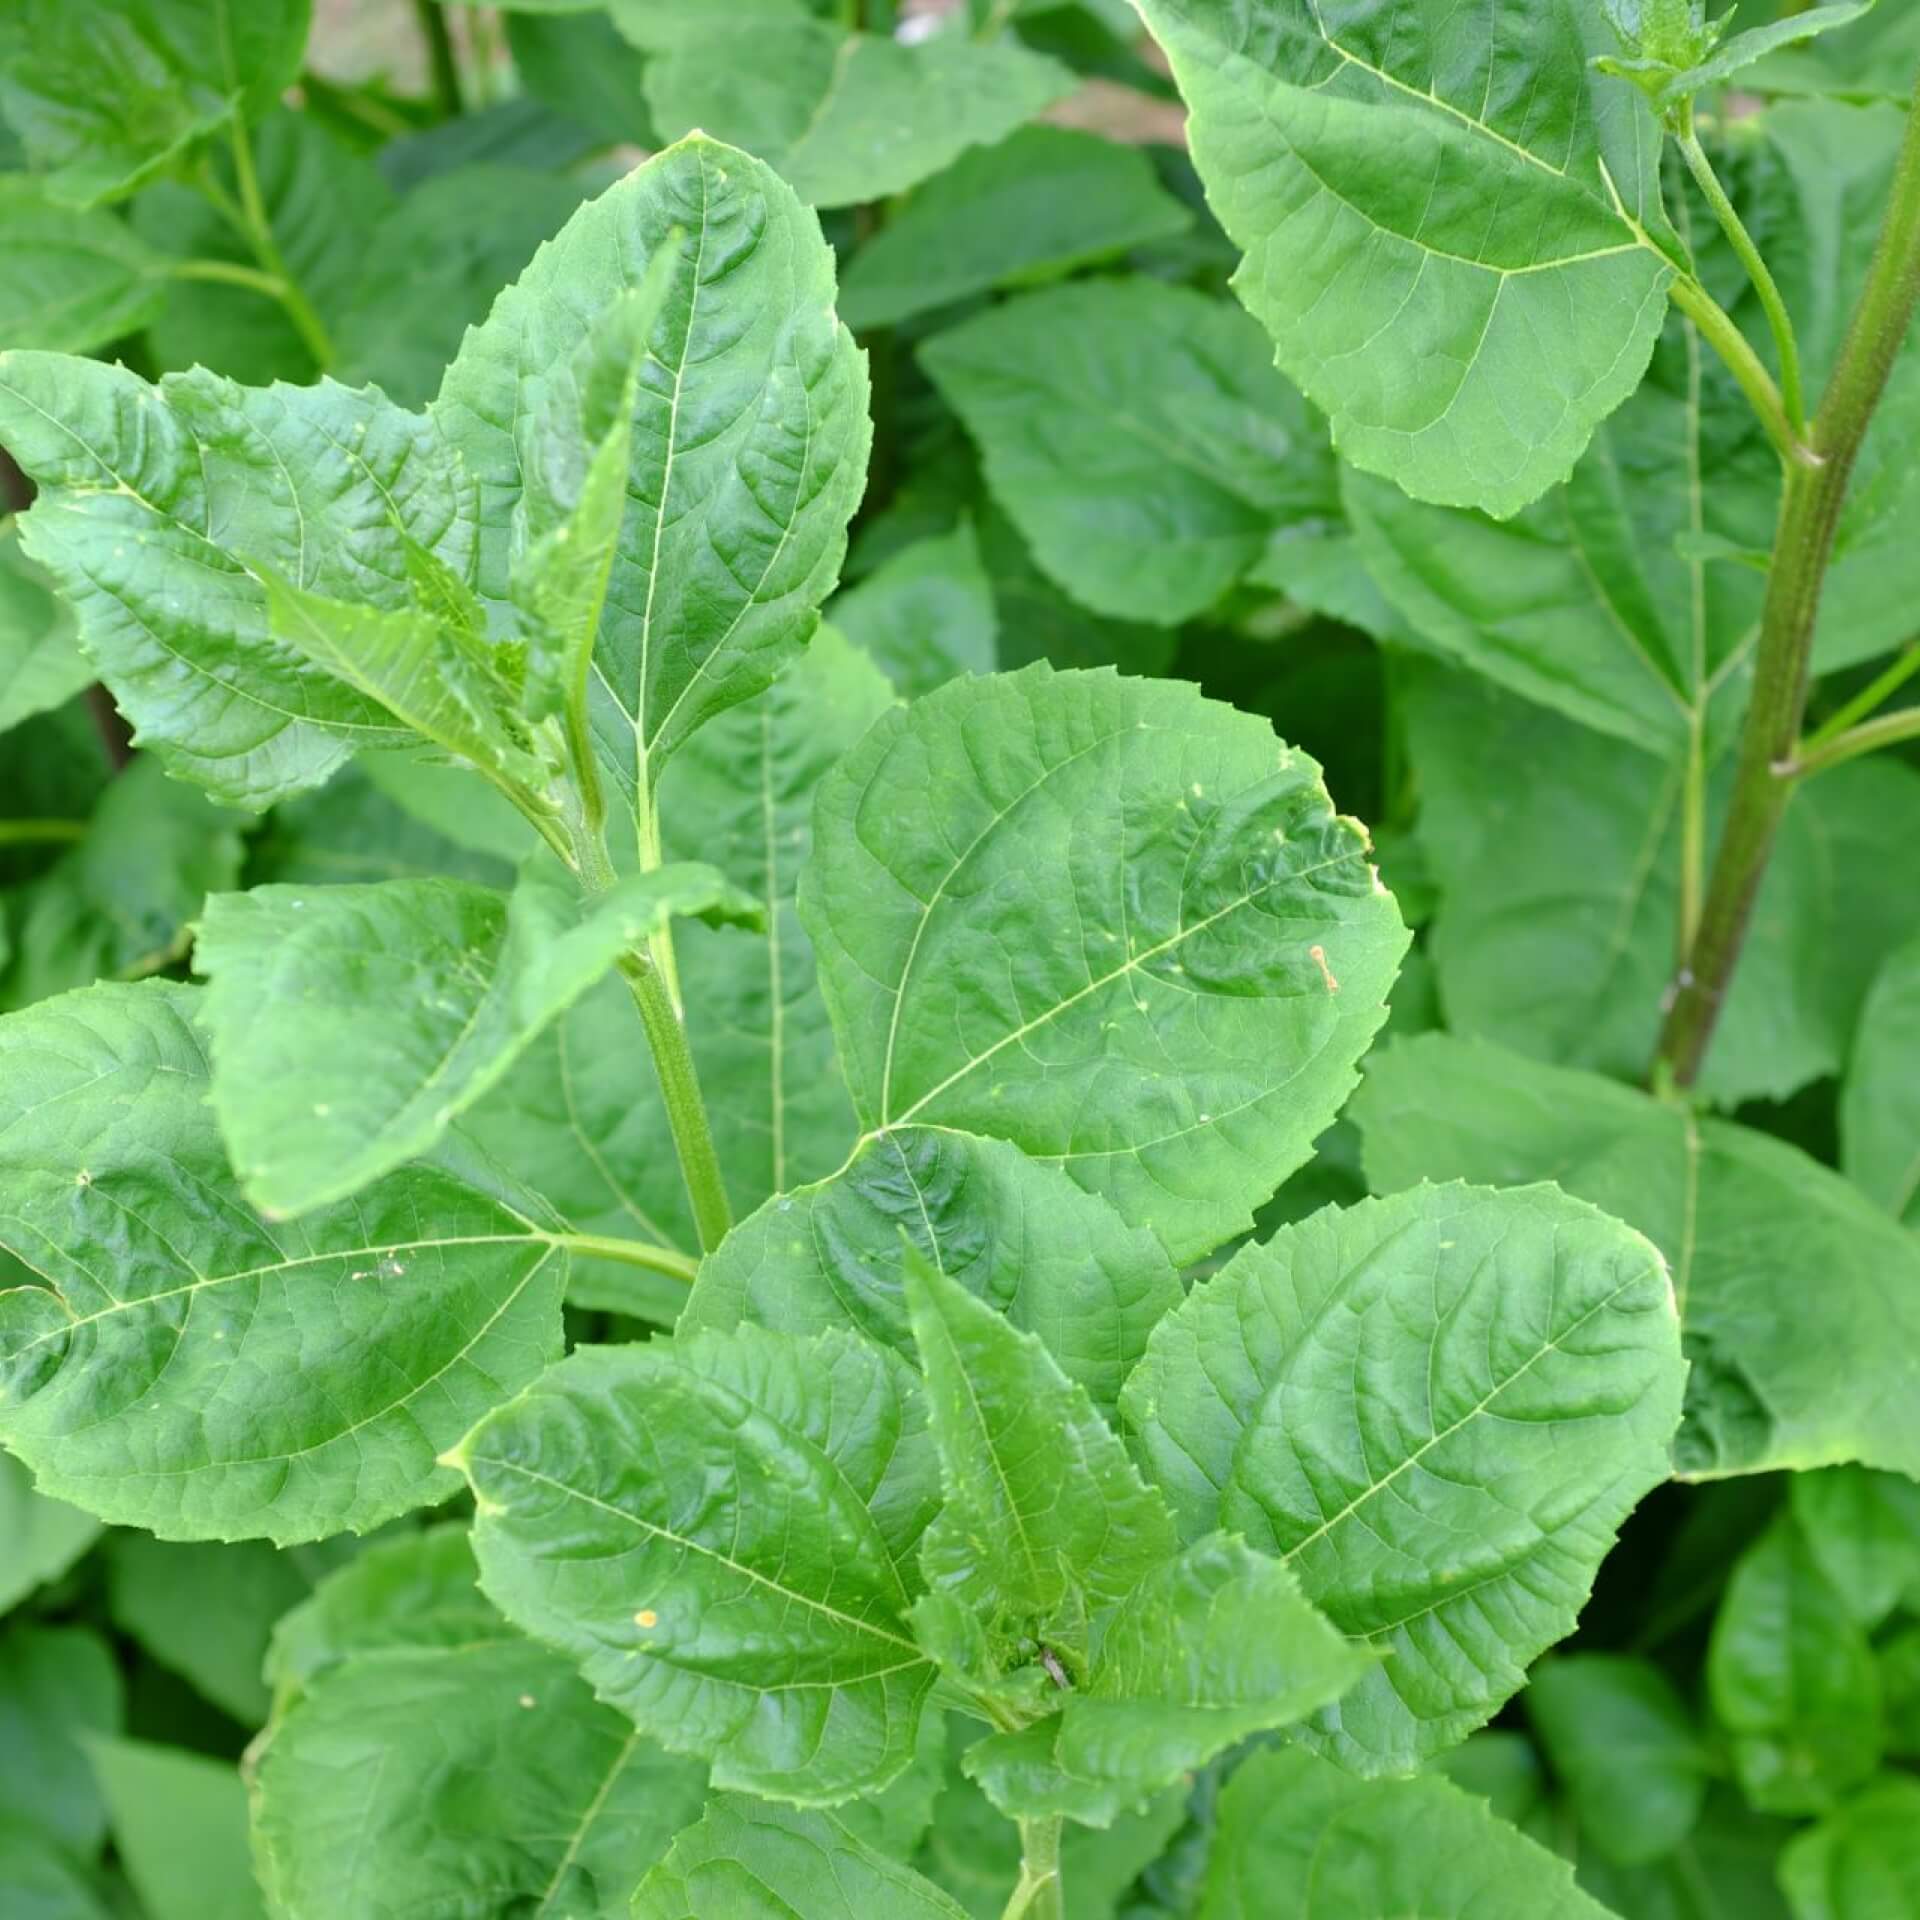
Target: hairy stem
(1871, 735)
(258, 228)
(1717, 328)
(442, 66)
(1779, 320)
(632, 1253)
(686, 1111)
(1809, 518)
(1869, 700)
(1038, 1895)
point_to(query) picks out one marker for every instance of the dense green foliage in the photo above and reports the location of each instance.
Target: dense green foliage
(729, 1187)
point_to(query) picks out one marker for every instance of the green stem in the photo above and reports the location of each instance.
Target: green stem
(1693, 832)
(1792, 392)
(231, 273)
(31, 833)
(1887, 731)
(1746, 366)
(686, 1111)
(1869, 700)
(1810, 506)
(632, 1253)
(441, 62)
(259, 231)
(1038, 1895)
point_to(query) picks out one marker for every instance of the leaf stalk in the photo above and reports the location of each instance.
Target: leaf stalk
(632, 1253)
(1810, 508)
(1038, 1896)
(1779, 320)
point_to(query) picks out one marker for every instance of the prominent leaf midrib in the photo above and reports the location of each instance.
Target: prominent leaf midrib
(750, 1574)
(577, 1839)
(1028, 1553)
(201, 1282)
(641, 737)
(1439, 1437)
(1428, 98)
(1132, 965)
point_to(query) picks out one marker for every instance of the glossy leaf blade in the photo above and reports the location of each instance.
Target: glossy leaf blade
(1437, 1409)
(1780, 1376)
(750, 437)
(721, 1531)
(147, 493)
(131, 1380)
(1447, 234)
(753, 1860)
(1046, 1518)
(75, 281)
(1056, 1260)
(1863, 1863)
(502, 1782)
(105, 93)
(1174, 1031)
(1138, 436)
(349, 1025)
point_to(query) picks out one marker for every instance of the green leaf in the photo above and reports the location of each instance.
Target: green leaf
(388, 1324)
(147, 493)
(1560, 890)
(580, 1115)
(352, 830)
(180, 1829)
(431, 268)
(582, 66)
(1863, 1531)
(75, 281)
(846, 118)
(575, 441)
(1175, 1043)
(1626, 1750)
(1437, 1409)
(57, 1685)
(1348, 1849)
(925, 613)
(41, 666)
(1880, 1100)
(1670, 85)
(439, 684)
(500, 1781)
(721, 1532)
(1899, 1661)
(104, 94)
(325, 204)
(1780, 1376)
(1792, 1680)
(1724, 1870)
(42, 1882)
(749, 1861)
(1046, 1519)
(1455, 240)
(1583, 602)
(205, 1612)
(1137, 435)
(1054, 1259)
(116, 906)
(1872, 60)
(349, 1025)
(40, 1538)
(417, 1592)
(1212, 1647)
(973, 1853)
(1039, 204)
(1863, 1863)
(750, 437)
(741, 796)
